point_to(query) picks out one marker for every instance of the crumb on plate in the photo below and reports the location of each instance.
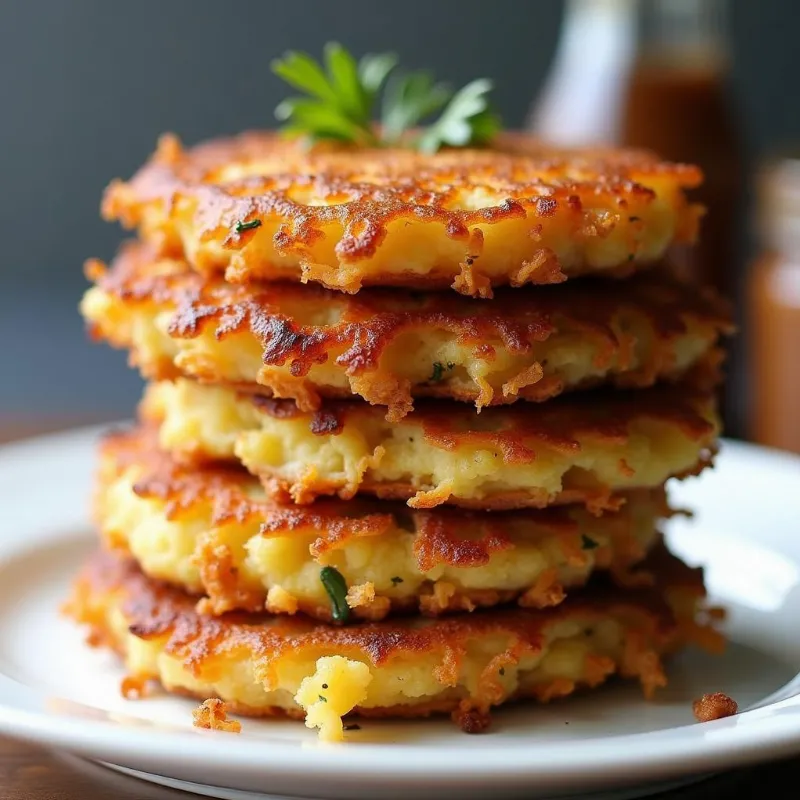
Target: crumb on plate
(714, 706)
(134, 687)
(470, 719)
(212, 715)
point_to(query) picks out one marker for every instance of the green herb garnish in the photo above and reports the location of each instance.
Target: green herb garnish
(396, 580)
(588, 543)
(438, 371)
(247, 226)
(336, 587)
(322, 699)
(467, 119)
(340, 99)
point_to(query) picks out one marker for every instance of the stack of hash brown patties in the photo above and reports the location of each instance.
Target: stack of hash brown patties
(410, 420)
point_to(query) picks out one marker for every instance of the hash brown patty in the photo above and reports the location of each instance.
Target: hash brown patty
(404, 667)
(259, 206)
(580, 448)
(390, 346)
(213, 532)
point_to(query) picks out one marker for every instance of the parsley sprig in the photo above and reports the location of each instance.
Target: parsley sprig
(341, 99)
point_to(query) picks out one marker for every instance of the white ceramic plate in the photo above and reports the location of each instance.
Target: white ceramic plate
(55, 691)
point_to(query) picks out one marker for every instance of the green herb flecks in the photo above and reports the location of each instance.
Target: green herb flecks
(336, 587)
(241, 227)
(438, 371)
(322, 698)
(340, 100)
(587, 543)
(396, 580)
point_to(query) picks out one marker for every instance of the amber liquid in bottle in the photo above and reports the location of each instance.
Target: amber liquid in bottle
(773, 309)
(681, 111)
(775, 301)
(652, 74)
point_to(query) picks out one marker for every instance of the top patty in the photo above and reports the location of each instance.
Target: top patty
(260, 206)
(390, 346)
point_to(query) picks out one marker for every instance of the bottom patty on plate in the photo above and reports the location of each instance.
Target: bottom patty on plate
(261, 664)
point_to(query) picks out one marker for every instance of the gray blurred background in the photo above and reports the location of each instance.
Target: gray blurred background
(87, 86)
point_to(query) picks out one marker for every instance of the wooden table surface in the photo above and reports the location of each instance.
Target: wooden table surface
(31, 773)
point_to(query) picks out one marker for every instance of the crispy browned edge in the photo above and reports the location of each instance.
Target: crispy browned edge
(659, 620)
(449, 536)
(536, 180)
(370, 322)
(513, 432)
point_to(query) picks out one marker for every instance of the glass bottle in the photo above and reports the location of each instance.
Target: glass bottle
(653, 74)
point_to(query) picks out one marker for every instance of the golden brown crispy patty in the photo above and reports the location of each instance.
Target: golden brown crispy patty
(463, 664)
(580, 448)
(389, 346)
(212, 531)
(260, 206)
